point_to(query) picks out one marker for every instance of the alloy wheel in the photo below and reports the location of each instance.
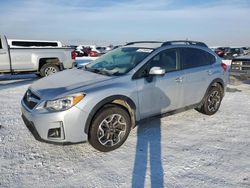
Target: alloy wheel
(111, 130)
(50, 70)
(214, 101)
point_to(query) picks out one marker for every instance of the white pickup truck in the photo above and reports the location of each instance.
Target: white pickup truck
(42, 59)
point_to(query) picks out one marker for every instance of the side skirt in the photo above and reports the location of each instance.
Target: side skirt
(168, 113)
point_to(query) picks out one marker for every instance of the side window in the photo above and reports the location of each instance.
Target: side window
(191, 57)
(1, 44)
(166, 59)
(211, 58)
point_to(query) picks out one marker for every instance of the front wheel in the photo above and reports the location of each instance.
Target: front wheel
(212, 101)
(110, 128)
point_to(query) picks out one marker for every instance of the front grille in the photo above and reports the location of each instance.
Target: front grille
(245, 68)
(240, 65)
(246, 63)
(30, 99)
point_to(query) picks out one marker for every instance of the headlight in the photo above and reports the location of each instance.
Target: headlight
(64, 103)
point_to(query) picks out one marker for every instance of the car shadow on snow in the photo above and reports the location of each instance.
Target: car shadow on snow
(11, 81)
(148, 154)
(232, 90)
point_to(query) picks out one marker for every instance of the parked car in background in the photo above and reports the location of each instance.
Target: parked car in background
(240, 67)
(85, 54)
(102, 102)
(117, 46)
(89, 53)
(101, 49)
(82, 61)
(234, 52)
(87, 50)
(246, 50)
(220, 51)
(41, 57)
(82, 51)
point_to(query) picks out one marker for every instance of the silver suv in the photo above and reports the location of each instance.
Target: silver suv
(104, 100)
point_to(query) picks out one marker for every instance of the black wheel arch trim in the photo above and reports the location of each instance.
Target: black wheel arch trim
(215, 81)
(220, 81)
(109, 100)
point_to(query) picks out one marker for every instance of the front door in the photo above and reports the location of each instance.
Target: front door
(159, 94)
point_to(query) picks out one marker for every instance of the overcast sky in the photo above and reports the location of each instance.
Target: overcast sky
(216, 22)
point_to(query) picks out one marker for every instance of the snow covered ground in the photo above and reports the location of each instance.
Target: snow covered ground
(184, 150)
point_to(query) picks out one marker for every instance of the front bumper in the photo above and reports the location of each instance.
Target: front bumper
(70, 123)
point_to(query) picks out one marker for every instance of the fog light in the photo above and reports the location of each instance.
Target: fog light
(54, 133)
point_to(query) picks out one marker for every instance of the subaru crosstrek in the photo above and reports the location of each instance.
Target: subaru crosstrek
(104, 100)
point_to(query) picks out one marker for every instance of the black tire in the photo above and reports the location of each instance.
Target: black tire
(104, 134)
(38, 75)
(212, 101)
(48, 69)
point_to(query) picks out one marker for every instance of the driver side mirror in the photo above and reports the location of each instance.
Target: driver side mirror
(157, 71)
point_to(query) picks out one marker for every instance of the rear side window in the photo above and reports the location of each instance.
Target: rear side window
(38, 44)
(191, 57)
(1, 44)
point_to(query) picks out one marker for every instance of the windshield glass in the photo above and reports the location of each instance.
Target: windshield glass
(119, 61)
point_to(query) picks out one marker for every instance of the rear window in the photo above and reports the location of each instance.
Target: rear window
(37, 44)
(191, 57)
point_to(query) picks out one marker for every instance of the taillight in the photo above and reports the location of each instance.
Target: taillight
(224, 67)
(93, 54)
(73, 55)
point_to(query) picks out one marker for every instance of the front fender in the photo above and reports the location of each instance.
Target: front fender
(109, 100)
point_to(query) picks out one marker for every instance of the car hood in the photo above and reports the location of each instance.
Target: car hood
(66, 82)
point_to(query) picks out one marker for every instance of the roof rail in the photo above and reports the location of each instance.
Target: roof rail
(186, 42)
(138, 42)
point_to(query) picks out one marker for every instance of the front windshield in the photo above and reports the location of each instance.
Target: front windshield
(119, 61)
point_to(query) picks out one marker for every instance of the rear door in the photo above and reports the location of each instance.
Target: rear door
(159, 94)
(197, 67)
(4, 56)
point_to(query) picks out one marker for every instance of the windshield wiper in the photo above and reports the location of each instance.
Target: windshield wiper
(98, 71)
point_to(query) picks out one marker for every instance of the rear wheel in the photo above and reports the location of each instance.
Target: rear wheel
(110, 128)
(49, 69)
(212, 101)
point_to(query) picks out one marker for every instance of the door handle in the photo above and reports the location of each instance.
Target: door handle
(210, 72)
(179, 79)
(2, 53)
